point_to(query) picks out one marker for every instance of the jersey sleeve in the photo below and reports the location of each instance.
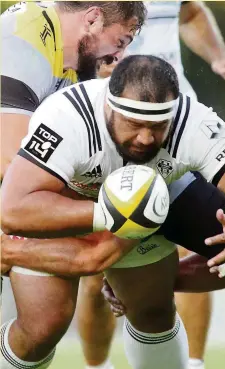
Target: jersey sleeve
(26, 72)
(207, 146)
(55, 137)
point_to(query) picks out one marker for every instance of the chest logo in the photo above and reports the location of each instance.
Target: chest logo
(164, 167)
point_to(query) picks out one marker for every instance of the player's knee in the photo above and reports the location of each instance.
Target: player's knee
(45, 330)
(157, 316)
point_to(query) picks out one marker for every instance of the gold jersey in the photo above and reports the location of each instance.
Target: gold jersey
(32, 57)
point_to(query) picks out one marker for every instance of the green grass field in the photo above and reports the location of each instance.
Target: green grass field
(69, 356)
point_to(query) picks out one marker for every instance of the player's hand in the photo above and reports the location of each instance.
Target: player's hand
(218, 67)
(116, 305)
(220, 238)
(215, 264)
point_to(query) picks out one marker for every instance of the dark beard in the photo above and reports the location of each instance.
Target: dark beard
(123, 150)
(87, 62)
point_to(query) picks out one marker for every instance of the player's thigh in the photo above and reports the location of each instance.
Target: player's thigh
(44, 303)
(145, 290)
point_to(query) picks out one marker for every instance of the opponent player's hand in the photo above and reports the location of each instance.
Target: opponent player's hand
(215, 262)
(116, 305)
(218, 67)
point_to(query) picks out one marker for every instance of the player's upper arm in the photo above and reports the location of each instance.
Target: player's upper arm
(55, 138)
(208, 147)
(49, 154)
(188, 10)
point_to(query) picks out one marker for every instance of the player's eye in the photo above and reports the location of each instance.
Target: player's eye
(159, 127)
(120, 44)
(134, 125)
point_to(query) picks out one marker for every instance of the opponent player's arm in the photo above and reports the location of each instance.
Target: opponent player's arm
(200, 32)
(194, 276)
(68, 257)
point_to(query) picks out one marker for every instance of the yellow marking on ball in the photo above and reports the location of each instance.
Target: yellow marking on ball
(134, 230)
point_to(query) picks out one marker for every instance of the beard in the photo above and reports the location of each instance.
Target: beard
(146, 153)
(87, 61)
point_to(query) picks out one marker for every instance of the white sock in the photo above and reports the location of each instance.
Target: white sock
(196, 364)
(156, 350)
(10, 361)
(106, 365)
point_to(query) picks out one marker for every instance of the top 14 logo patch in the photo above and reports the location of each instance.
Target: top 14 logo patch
(164, 167)
(43, 143)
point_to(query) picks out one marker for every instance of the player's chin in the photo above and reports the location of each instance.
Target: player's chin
(140, 157)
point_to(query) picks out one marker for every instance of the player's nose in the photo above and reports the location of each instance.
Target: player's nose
(145, 136)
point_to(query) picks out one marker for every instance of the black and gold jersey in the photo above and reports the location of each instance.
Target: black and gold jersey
(32, 57)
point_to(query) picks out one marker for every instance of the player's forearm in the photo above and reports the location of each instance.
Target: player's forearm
(45, 214)
(63, 257)
(202, 35)
(194, 276)
(67, 257)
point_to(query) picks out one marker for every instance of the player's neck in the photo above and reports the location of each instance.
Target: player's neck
(70, 28)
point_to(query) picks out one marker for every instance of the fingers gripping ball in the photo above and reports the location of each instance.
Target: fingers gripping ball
(135, 201)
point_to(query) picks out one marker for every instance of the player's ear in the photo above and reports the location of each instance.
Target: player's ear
(93, 20)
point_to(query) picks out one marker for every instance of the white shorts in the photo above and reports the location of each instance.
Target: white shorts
(156, 248)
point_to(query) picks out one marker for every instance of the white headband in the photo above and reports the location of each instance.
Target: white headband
(141, 110)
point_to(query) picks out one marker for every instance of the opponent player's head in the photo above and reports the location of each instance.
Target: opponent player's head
(101, 30)
(140, 106)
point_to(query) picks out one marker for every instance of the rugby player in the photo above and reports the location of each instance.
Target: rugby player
(195, 24)
(45, 48)
(156, 126)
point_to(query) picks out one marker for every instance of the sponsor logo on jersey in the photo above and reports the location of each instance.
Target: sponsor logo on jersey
(213, 129)
(127, 178)
(164, 167)
(43, 143)
(221, 156)
(143, 249)
(95, 173)
(45, 33)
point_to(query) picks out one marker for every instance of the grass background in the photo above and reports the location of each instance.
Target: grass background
(69, 356)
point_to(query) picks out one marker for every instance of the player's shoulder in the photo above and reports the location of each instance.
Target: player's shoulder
(76, 104)
(29, 36)
(189, 123)
(31, 24)
(81, 96)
